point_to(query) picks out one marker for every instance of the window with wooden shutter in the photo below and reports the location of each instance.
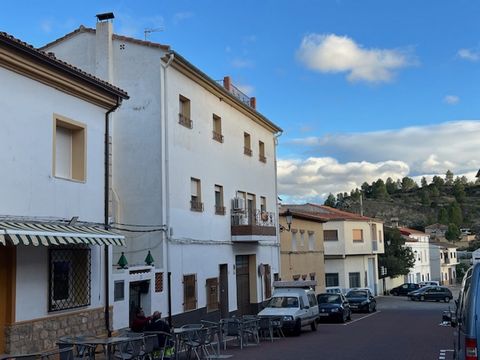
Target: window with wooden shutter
(330, 235)
(358, 235)
(159, 282)
(189, 292)
(212, 294)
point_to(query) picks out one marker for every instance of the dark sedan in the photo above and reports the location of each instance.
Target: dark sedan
(404, 289)
(361, 300)
(433, 293)
(333, 307)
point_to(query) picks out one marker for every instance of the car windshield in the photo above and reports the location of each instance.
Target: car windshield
(329, 298)
(283, 302)
(357, 293)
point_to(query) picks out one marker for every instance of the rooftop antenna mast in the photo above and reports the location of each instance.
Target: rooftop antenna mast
(148, 31)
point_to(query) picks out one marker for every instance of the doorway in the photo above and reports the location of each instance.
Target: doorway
(243, 284)
(223, 287)
(138, 290)
(7, 290)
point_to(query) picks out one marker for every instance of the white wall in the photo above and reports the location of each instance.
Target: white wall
(26, 139)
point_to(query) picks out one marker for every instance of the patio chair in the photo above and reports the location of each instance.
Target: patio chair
(63, 354)
(196, 341)
(265, 327)
(150, 346)
(232, 327)
(250, 328)
(130, 350)
(277, 325)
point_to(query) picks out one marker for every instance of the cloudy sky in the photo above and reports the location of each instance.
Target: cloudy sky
(362, 89)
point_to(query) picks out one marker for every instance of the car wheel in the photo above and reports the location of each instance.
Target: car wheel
(374, 307)
(447, 299)
(298, 328)
(343, 318)
(395, 293)
(349, 316)
(369, 308)
(422, 298)
(313, 325)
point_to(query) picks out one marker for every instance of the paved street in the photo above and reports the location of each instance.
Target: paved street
(400, 329)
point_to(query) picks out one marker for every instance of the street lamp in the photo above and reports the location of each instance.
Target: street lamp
(288, 218)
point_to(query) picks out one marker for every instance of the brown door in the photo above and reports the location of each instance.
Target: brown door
(7, 290)
(243, 284)
(223, 287)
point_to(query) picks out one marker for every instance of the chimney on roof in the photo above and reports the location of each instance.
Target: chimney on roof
(253, 102)
(104, 47)
(227, 83)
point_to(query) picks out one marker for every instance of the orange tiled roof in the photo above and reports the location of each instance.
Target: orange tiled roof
(325, 212)
(50, 58)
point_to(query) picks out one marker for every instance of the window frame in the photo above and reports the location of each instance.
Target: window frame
(247, 144)
(184, 112)
(219, 201)
(196, 203)
(328, 238)
(357, 240)
(214, 305)
(190, 304)
(78, 153)
(217, 128)
(334, 277)
(261, 152)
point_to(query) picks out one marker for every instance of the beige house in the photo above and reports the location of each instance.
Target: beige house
(301, 247)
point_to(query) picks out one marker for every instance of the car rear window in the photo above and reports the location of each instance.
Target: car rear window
(329, 299)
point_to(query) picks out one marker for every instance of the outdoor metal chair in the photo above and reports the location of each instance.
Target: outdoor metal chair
(130, 350)
(265, 327)
(250, 328)
(63, 354)
(232, 327)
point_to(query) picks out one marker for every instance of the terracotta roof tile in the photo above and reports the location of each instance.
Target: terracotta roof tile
(64, 66)
(326, 212)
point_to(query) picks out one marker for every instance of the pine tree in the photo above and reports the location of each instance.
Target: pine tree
(330, 201)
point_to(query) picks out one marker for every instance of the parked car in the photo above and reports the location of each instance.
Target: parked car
(336, 290)
(435, 293)
(333, 307)
(429, 283)
(361, 300)
(467, 334)
(404, 289)
(295, 302)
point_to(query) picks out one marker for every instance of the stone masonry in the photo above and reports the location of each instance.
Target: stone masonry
(42, 334)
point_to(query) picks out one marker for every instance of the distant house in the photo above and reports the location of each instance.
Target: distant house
(352, 244)
(301, 247)
(436, 230)
(447, 254)
(418, 242)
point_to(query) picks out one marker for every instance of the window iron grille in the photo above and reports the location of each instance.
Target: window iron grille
(69, 278)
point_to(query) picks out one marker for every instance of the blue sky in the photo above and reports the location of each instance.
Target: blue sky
(363, 89)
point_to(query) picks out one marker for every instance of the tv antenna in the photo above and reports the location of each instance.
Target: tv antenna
(148, 31)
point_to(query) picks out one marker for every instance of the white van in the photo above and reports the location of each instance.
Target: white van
(295, 303)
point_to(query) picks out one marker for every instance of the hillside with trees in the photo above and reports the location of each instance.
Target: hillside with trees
(453, 201)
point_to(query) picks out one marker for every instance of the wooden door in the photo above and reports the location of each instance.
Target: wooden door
(7, 290)
(223, 287)
(243, 284)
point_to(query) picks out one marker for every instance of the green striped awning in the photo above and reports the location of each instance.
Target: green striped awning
(49, 234)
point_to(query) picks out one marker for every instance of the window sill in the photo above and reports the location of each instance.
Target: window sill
(69, 179)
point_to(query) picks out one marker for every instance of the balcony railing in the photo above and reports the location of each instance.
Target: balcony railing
(217, 136)
(374, 245)
(196, 206)
(247, 151)
(219, 210)
(252, 225)
(262, 158)
(185, 121)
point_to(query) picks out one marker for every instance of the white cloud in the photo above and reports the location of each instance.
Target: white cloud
(469, 54)
(335, 54)
(242, 63)
(181, 16)
(451, 99)
(338, 163)
(46, 26)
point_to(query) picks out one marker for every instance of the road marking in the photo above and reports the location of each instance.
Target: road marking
(363, 317)
(443, 355)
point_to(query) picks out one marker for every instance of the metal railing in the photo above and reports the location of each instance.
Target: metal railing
(217, 136)
(196, 206)
(262, 158)
(237, 93)
(253, 217)
(247, 151)
(185, 121)
(219, 210)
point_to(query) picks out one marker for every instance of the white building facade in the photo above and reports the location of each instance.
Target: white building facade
(448, 260)
(352, 244)
(194, 177)
(53, 161)
(417, 241)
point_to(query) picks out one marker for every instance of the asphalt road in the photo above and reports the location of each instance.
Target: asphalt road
(400, 329)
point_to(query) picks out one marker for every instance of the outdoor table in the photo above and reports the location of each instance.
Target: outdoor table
(19, 356)
(108, 343)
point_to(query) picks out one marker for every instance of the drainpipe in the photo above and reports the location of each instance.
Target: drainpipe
(276, 136)
(105, 220)
(166, 184)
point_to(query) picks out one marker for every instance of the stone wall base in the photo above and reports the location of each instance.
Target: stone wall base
(42, 334)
